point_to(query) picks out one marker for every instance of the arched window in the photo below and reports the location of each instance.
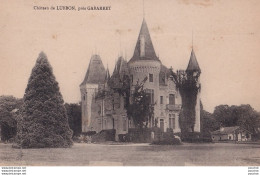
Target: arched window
(172, 121)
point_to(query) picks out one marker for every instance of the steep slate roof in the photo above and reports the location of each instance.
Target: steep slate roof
(149, 49)
(164, 74)
(96, 72)
(120, 70)
(193, 63)
(123, 68)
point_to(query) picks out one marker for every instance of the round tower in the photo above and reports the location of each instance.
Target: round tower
(145, 63)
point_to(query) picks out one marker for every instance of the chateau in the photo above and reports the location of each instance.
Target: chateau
(109, 112)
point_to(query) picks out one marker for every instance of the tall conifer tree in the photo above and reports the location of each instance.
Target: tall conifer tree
(43, 121)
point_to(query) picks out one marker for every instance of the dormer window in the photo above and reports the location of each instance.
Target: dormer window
(142, 46)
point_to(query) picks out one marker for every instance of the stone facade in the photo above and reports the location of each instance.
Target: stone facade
(108, 112)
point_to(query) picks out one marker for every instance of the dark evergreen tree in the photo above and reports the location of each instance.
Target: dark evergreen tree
(43, 121)
(74, 115)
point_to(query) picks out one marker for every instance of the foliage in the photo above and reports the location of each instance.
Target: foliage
(124, 137)
(141, 135)
(121, 85)
(197, 137)
(9, 107)
(43, 121)
(104, 135)
(140, 110)
(207, 122)
(167, 138)
(188, 85)
(244, 116)
(74, 116)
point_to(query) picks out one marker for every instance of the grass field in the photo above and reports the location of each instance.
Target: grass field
(217, 154)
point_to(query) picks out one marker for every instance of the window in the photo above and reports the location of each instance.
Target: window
(162, 125)
(162, 78)
(172, 99)
(115, 101)
(113, 121)
(150, 94)
(132, 78)
(124, 123)
(105, 124)
(131, 96)
(150, 77)
(172, 121)
(161, 99)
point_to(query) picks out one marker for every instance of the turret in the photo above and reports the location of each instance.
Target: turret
(119, 72)
(95, 76)
(193, 73)
(193, 66)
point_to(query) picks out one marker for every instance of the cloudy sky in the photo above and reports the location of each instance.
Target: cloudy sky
(225, 33)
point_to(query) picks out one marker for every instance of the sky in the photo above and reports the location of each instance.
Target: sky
(226, 42)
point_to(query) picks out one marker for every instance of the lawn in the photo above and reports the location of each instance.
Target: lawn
(81, 154)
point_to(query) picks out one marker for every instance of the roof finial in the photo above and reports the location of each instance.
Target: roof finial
(125, 55)
(120, 52)
(192, 41)
(143, 10)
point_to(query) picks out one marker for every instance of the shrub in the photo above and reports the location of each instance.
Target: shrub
(164, 141)
(104, 135)
(196, 137)
(124, 138)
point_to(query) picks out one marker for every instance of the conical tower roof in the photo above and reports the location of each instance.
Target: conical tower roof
(120, 71)
(193, 63)
(96, 72)
(149, 53)
(107, 77)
